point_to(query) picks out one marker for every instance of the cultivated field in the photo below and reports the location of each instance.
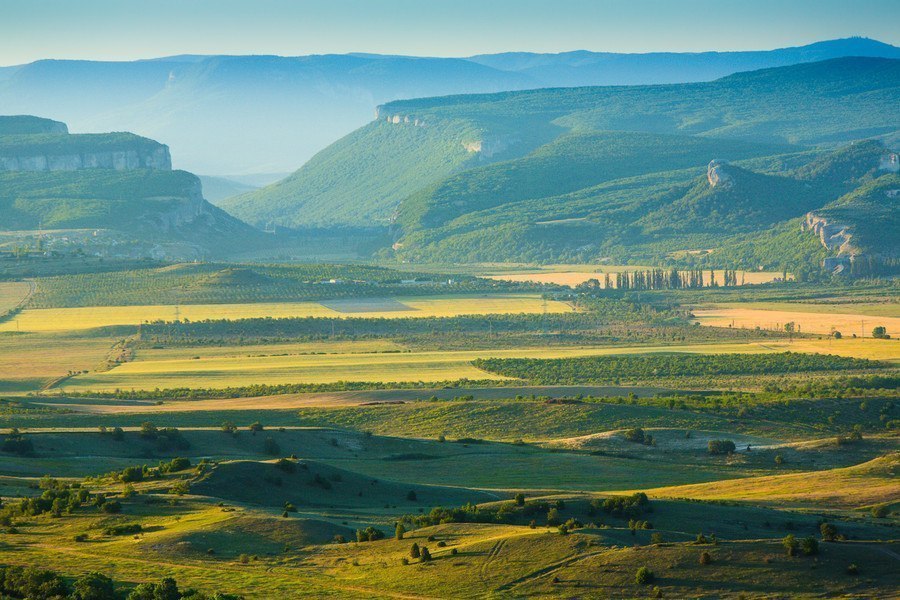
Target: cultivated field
(30, 360)
(66, 319)
(817, 320)
(287, 364)
(12, 293)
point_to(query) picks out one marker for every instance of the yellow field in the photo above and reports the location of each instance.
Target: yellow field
(65, 319)
(28, 360)
(852, 487)
(219, 369)
(559, 275)
(809, 321)
(12, 293)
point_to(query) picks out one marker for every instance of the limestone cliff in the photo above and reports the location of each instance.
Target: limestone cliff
(836, 237)
(35, 144)
(123, 159)
(717, 174)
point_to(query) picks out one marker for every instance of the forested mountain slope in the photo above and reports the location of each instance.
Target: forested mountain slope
(423, 163)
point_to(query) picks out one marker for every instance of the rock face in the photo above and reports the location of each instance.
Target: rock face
(490, 146)
(119, 160)
(889, 162)
(717, 175)
(836, 237)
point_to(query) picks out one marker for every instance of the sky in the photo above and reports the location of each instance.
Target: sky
(133, 29)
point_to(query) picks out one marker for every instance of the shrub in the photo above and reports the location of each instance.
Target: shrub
(829, 532)
(399, 531)
(852, 569)
(880, 511)
(656, 538)
(520, 499)
(123, 529)
(705, 558)
(414, 551)
(112, 507)
(175, 465)
(644, 576)
(426, 554)
(810, 546)
(130, 474)
(255, 427)
(369, 534)
(790, 544)
(720, 447)
(94, 586)
(411, 496)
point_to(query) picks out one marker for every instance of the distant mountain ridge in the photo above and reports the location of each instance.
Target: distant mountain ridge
(236, 115)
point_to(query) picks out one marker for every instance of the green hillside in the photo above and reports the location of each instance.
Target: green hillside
(579, 174)
(752, 219)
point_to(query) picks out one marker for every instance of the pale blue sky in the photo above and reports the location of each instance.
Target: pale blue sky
(129, 29)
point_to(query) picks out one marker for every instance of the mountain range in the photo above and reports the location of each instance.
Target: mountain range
(617, 172)
(265, 115)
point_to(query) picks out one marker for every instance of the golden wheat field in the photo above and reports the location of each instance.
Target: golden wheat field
(808, 321)
(64, 319)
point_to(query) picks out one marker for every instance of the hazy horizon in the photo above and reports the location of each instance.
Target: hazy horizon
(106, 30)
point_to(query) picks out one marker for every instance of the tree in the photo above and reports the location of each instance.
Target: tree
(94, 586)
(255, 427)
(644, 576)
(229, 427)
(520, 499)
(414, 551)
(148, 431)
(790, 544)
(810, 546)
(828, 531)
(705, 558)
(426, 555)
(553, 517)
(720, 447)
(880, 333)
(411, 496)
(399, 531)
